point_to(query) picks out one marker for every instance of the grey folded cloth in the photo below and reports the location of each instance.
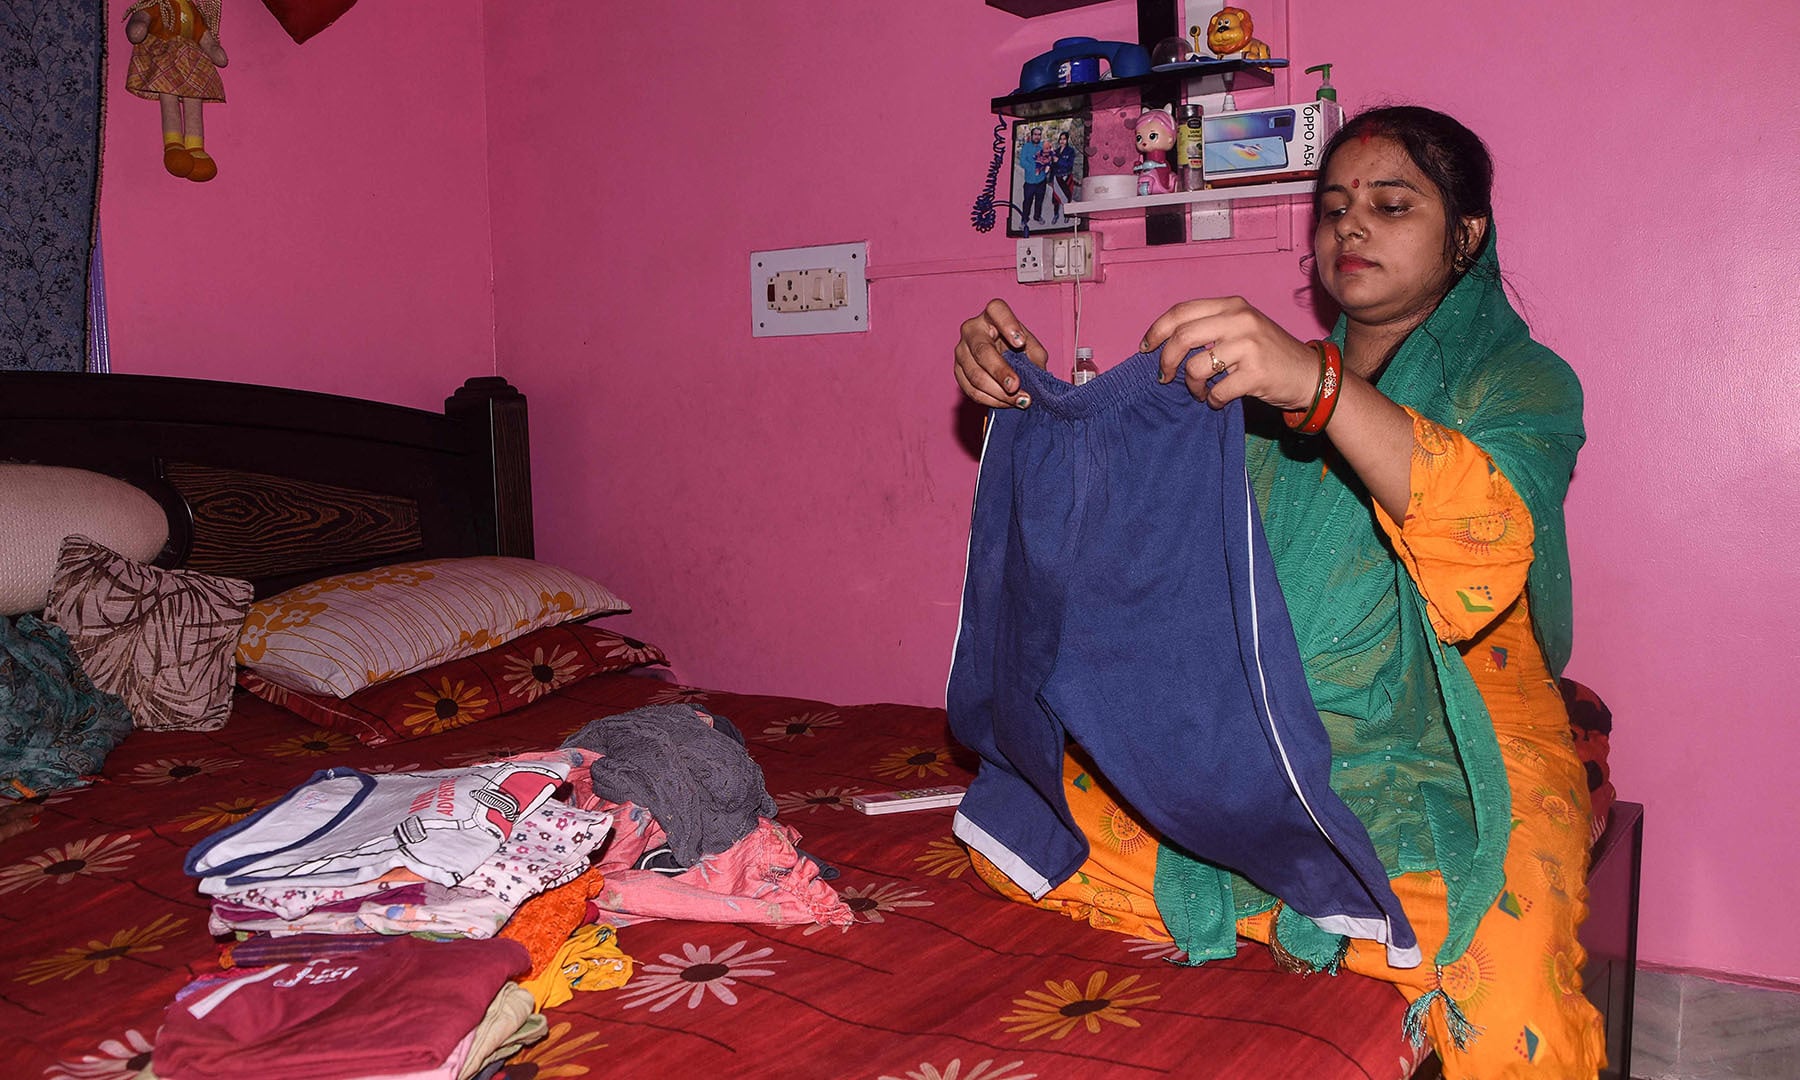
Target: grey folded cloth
(699, 783)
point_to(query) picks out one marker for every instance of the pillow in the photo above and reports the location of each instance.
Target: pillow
(304, 18)
(464, 691)
(160, 639)
(339, 634)
(1590, 722)
(41, 504)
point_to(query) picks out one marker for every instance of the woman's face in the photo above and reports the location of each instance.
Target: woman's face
(1379, 244)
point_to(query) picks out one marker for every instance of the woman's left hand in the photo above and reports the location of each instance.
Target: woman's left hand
(1253, 356)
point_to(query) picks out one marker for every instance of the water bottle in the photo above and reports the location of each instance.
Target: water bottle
(1084, 366)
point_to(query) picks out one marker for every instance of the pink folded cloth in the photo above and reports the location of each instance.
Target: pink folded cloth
(760, 879)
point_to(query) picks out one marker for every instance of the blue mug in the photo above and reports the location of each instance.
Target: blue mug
(1081, 69)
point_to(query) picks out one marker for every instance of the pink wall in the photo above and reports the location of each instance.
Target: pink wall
(344, 245)
(788, 514)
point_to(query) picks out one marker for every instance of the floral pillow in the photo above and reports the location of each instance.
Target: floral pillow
(340, 634)
(160, 639)
(467, 690)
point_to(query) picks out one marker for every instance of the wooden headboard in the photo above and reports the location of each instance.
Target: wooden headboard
(284, 486)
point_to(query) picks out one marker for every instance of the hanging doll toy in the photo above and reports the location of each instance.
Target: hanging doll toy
(175, 60)
(1155, 138)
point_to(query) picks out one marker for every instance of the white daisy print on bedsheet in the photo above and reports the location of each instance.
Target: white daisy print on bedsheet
(872, 903)
(696, 975)
(103, 854)
(678, 695)
(986, 1069)
(1156, 949)
(125, 1057)
(175, 770)
(802, 726)
(805, 802)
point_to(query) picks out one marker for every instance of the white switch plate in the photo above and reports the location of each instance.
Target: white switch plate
(1060, 257)
(822, 289)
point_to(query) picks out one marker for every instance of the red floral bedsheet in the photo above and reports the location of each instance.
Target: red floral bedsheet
(937, 980)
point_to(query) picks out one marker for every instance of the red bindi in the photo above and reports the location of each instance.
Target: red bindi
(1356, 183)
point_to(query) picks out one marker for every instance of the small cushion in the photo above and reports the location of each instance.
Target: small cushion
(304, 18)
(160, 639)
(41, 504)
(1590, 723)
(461, 692)
(340, 634)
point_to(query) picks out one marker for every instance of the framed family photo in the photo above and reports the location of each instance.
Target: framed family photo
(1049, 162)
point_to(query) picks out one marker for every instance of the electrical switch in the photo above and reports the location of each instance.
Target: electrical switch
(1074, 257)
(808, 290)
(822, 289)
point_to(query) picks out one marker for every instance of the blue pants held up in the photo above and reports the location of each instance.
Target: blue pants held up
(1120, 592)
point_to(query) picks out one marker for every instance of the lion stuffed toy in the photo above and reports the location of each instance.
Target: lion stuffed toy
(1228, 31)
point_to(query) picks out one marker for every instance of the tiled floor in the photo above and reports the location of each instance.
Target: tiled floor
(1689, 1028)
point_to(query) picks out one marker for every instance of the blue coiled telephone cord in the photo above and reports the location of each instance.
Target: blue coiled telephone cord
(985, 214)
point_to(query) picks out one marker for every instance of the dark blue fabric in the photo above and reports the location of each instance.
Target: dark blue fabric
(1120, 592)
(55, 59)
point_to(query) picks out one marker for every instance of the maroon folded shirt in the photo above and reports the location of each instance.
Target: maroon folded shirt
(400, 1007)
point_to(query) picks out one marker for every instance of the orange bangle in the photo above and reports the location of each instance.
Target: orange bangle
(1312, 420)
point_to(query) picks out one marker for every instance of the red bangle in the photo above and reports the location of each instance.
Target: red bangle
(1312, 420)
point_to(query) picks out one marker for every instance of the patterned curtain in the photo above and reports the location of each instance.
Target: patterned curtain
(52, 80)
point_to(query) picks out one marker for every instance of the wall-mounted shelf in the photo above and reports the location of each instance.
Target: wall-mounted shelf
(1212, 77)
(1139, 203)
(1027, 9)
(1164, 222)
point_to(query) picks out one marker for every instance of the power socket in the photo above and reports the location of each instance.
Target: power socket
(1033, 260)
(822, 289)
(813, 289)
(1064, 257)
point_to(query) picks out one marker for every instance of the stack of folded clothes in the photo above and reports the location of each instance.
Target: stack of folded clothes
(449, 853)
(511, 897)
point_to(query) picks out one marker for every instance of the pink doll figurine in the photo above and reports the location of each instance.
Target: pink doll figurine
(1155, 139)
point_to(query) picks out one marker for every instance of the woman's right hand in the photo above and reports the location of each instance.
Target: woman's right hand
(981, 370)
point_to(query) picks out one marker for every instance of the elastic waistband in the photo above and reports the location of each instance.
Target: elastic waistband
(1127, 382)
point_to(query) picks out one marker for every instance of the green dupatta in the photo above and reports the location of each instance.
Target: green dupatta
(1414, 749)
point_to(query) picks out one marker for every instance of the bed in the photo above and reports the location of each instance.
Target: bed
(935, 978)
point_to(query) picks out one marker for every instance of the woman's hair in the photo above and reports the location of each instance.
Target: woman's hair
(1451, 156)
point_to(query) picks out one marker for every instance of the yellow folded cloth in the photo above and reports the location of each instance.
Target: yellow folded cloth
(589, 960)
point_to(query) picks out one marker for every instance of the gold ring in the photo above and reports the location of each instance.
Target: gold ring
(1218, 365)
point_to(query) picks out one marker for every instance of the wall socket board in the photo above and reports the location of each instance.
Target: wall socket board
(1064, 257)
(822, 289)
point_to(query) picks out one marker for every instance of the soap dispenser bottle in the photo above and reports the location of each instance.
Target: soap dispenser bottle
(1326, 92)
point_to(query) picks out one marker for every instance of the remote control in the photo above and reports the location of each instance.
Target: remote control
(894, 802)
